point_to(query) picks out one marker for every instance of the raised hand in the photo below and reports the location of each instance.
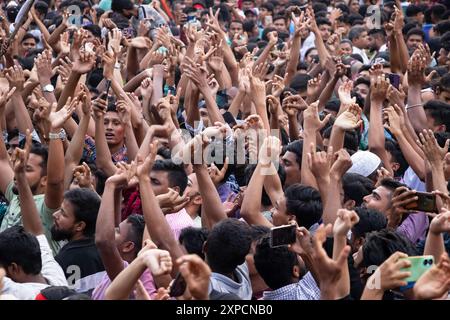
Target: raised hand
(124, 111)
(44, 66)
(99, 107)
(197, 275)
(84, 63)
(311, 118)
(115, 37)
(379, 89)
(320, 162)
(20, 156)
(109, 60)
(172, 201)
(342, 163)
(431, 149)
(345, 221)
(16, 78)
(124, 173)
(157, 261)
(196, 73)
(402, 199)
(57, 119)
(5, 95)
(303, 244)
(82, 176)
(390, 274)
(144, 166)
(293, 104)
(435, 282)
(344, 93)
(217, 175)
(349, 119)
(440, 223)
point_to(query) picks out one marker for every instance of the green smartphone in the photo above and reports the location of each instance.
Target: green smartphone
(419, 265)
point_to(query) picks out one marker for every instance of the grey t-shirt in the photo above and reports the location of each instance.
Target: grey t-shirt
(242, 288)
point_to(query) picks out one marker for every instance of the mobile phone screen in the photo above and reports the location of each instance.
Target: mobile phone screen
(426, 202)
(282, 236)
(419, 265)
(394, 79)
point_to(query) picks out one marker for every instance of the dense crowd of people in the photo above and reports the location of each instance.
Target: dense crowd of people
(151, 150)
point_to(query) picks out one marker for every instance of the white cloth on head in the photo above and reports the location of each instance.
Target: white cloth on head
(364, 163)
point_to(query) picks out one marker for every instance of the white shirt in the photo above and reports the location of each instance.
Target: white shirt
(51, 271)
(362, 53)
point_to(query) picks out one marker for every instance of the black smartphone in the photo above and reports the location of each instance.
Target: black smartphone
(426, 202)
(228, 117)
(394, 79)
(283, 235)
(178, 286)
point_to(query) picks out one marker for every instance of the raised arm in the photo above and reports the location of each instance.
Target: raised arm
(30, 215)
(55, 165)
(157, 225)
(434, 244)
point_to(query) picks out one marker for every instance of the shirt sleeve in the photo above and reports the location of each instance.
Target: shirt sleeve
(9, 195)
(51, 270)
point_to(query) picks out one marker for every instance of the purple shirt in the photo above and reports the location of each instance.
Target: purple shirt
(414, 227)
(178, 221)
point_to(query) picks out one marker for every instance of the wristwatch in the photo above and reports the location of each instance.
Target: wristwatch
(48, 88)
(61, 135)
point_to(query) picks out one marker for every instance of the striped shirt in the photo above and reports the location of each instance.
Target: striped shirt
(305, 289)
(178, 221)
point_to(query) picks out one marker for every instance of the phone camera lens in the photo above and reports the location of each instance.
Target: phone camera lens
(425, 262)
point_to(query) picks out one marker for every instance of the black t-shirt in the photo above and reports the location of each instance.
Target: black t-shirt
(81, 262)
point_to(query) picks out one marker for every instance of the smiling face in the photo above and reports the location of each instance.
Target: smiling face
(114, 129)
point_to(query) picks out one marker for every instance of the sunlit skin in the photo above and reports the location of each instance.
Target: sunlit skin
(26, 46)
(413, 41)
(114, 131)
(379, 199)
(292, 168)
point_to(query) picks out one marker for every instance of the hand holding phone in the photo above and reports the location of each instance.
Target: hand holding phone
(419, 265)
(283, 235)
(178, 286)
(426, 202)
(394, 79)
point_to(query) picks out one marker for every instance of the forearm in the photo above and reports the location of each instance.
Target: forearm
(376, 134)
(343, 285)
(135, 82)
(191, 105)
(273, 186)
(157, 225)
(103, 155)
(55, 35)
(324, 55)
(333, 200)
(337, 138)
(265, 54)
(306, 174)
(439, 182)
(402, 51)
(122, 286)
(30, 215)
(416, 114)
(130, 142)
(132, 63)
(158, 93)
(327, 93)
(372, 293)
(55, 173)
(21, 114)
(291, 68)
(236, 103)
(211, 204)
(105, 226)
(251, 205)
(413, 158)
(213, 110)
(294, 128)
(69, 89)
(434, 245)
(394, 54)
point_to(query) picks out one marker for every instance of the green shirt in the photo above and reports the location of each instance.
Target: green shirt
(13, 217)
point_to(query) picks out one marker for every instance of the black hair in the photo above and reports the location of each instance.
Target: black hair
(362, 80)
(305, 203)
(441, 138)
(248, 25)
(164, 152)
(356, 187)
(369, 220)
(20, 247)
(193, 239)
(29, 36)
(250, 169)
(274, 265)
(228, 243)
(94, 29)
(416, 31)
(391, 184)
(41, 150)
(412, 10)
(319, 7)
(355, 18)
(408, 26)
(41, 7)
(442, 26)
(86, 204)
(175, 173)
(439, 111)
(296, 147)
(300, 82)
(322, 21)
(257, 232)
(120, 5)
(394, 149)
(380, 245)
(137, 231)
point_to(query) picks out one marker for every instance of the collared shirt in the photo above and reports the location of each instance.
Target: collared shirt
(178, 221)
(242, 288)
(13, 215)
(362, 53)
(305, 289)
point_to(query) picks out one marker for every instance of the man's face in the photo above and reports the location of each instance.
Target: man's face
(362, 89)
(345, 48)
(279, 215)
(159, 181)
(444, 95)
(122, 235)
(235, 28)
(380, 199)
(64, 222)
(325, 31)
(413, 41)
(28, 45)
(373, 43)
(280, 25)
(114, 129)
(432, 124)
(33, 173)
(354, 6)
(251, 16)
(362, 41)
(420, 17)
(292, 168)
(247, 5)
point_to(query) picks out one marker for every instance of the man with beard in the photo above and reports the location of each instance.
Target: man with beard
(75, 221)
